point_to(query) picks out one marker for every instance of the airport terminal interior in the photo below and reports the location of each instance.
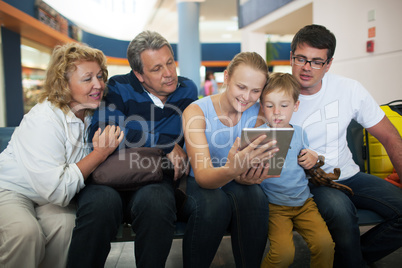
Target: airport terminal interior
(226, 27)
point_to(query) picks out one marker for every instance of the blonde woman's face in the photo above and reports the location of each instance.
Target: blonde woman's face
(244, 86)
(86, 85)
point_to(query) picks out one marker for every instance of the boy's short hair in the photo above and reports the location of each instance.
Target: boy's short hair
(282, 82)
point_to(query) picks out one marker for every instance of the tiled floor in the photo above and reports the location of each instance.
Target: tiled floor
(122, 255)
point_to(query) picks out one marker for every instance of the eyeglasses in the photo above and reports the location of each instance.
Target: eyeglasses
(315, 64)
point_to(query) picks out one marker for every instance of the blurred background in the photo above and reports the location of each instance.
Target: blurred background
(204, 34)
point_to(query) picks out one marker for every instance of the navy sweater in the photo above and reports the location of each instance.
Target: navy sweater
(129, 106)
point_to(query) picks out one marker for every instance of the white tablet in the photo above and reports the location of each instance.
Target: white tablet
(283, 136)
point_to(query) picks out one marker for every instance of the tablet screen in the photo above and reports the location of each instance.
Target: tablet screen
(283, 136)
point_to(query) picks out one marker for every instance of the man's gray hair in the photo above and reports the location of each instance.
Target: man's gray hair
(144, 41)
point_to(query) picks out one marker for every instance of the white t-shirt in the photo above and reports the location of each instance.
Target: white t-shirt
(39, 162)
(326, 115)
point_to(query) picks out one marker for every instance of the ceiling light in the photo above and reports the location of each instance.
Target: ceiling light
(107, 17)
(226, 36)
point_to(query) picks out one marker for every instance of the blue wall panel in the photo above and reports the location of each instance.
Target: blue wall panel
(118, 48)
(283, 50)
(219, 52)
(252, 10)
(26, 6)
(111, 47)
(12, 77)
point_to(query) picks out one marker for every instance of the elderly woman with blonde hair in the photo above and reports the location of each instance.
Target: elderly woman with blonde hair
(48, 160)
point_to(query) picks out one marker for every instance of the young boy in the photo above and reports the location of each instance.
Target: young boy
(291, 205)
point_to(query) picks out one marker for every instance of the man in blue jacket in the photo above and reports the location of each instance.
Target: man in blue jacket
(147, 104)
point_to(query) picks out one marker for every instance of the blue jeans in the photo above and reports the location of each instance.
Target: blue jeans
(240, 209)
(151, 210)
(339, 211)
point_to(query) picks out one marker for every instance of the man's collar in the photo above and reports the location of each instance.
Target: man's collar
(155, 99)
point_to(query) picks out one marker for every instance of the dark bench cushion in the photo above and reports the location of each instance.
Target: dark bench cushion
(355, 141)
(5, 136)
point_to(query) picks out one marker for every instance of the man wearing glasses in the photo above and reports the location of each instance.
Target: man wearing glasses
(327, 105)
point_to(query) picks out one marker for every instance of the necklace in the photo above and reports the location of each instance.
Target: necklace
(220, 106)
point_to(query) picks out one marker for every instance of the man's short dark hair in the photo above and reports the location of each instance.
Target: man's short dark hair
(316, 36)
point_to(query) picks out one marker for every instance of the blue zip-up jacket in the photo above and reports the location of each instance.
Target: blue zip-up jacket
(129, 106)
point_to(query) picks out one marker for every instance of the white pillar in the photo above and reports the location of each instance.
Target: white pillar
(189, 47)
(253, 41)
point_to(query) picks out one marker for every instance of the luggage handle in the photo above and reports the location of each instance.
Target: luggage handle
(395, 106)
(392, 102)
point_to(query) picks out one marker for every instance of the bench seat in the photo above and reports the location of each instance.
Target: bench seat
(366, 217)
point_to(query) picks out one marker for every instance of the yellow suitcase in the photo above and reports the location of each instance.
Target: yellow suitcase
(377, 161)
